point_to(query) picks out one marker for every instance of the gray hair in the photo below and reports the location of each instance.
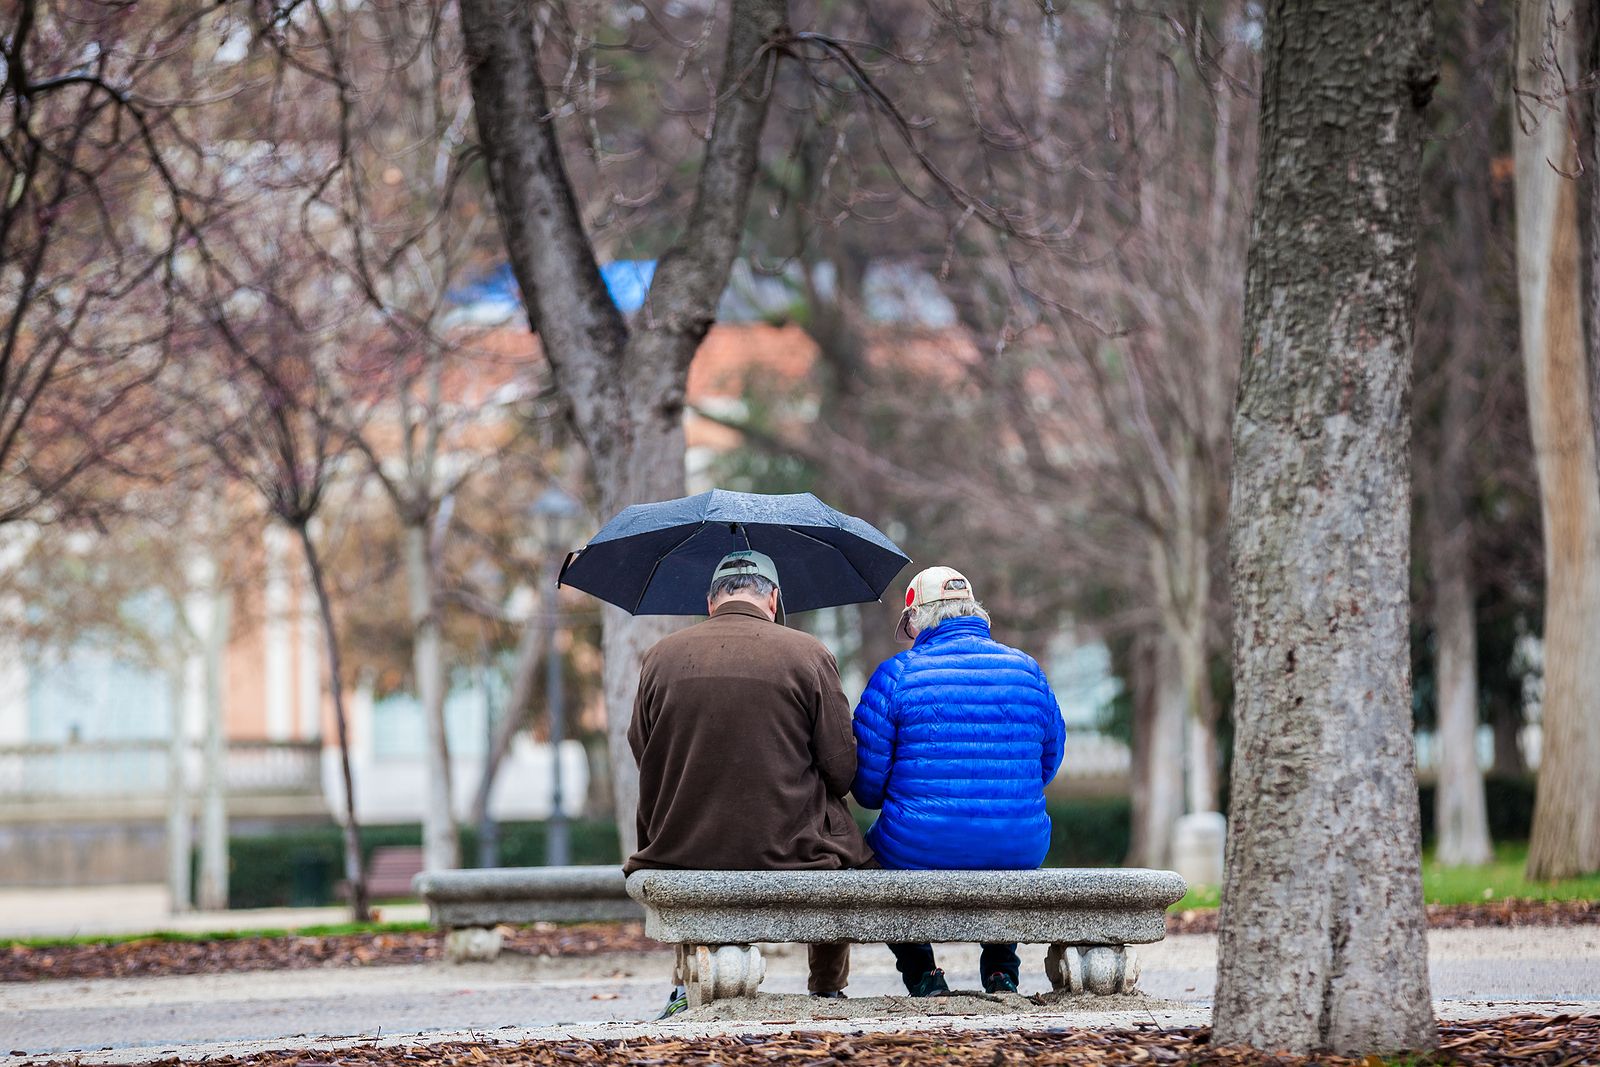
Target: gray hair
(729, 584)
(930, 615)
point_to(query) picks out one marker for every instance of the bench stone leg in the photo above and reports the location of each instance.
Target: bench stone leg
(718, 972)
(1098, 969)
(468, 944)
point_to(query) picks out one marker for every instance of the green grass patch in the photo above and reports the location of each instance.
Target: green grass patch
(324, 930)
(1499, 880)
(1199, 896)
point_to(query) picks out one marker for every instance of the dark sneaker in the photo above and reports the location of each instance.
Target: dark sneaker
(999, 982)
(677, 1000)
(837, 994)
(931, 984)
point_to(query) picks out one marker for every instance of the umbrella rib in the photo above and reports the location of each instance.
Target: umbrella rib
(847, 559)
(661, 559)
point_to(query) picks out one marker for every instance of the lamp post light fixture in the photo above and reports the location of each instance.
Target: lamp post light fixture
(555, 516)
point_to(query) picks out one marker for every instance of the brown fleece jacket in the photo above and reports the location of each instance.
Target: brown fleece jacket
(742, 736)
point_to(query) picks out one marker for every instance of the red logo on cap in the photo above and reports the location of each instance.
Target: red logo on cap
(911, 594)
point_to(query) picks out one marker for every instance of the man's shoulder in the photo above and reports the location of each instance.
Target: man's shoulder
(779, 638)
(676, 640)
(985, 649)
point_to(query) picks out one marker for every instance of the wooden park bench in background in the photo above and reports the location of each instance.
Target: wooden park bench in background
(391, 870)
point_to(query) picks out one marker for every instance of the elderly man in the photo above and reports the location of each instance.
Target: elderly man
(742, 736)
(957, 737)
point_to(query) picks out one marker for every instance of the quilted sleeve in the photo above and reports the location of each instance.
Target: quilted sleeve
(875, 733)
(1055, 729)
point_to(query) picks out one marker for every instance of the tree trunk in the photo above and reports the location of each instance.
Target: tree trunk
(652, 468)
(1461, 817)
(1180, 560)
(624, 387)
(1322, 940)
(355, 872)
(1566, 814)
(1507, 722)
(1586, 104)
(212, 894)
(536, 634)
(179, 821)
(1159, 712)
(441, 846)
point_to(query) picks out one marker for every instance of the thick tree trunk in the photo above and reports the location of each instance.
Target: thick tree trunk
(1587, 113)
(1160, 707)
(1566, 817)
(624, 387)
(441, 846)
(1461, 818)
(1321, 941)
(651, 471)
(355, 872)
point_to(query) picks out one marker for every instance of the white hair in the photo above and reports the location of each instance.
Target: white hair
(930, 615)
(729, 584)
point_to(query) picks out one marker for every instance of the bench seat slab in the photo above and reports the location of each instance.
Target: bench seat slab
(1117, 906)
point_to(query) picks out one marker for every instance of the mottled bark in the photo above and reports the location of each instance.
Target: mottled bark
(1461, 818)
(624, 386)
(1566, 816)
(1321, 942)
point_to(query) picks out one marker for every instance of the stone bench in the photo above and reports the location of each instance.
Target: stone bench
(1088, 917)
(472, 905)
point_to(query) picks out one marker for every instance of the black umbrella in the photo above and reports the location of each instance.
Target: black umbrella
(656, 559)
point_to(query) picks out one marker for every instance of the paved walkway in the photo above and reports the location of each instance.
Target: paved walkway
(140, 909)
(1475, 973)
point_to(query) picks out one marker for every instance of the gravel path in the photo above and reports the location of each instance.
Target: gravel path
(1494, 970)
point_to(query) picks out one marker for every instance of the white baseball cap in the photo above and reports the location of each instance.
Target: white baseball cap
(933, 585)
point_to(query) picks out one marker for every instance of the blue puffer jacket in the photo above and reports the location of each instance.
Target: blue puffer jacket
(956, 738)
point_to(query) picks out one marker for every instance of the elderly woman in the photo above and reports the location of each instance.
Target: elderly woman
(956, 738)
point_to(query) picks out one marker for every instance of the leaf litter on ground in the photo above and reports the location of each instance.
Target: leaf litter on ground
(123, 958)
(1531, 1040)
(158, 956)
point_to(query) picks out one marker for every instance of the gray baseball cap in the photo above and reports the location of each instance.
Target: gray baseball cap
(749, 561)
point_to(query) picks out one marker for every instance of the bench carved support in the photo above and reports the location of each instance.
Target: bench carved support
(1098, 969)
(472, 944)
(717, 972)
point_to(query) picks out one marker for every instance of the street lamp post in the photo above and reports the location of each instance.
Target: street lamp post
(555, 513)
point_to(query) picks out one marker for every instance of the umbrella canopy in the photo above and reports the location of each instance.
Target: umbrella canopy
(656, 559)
